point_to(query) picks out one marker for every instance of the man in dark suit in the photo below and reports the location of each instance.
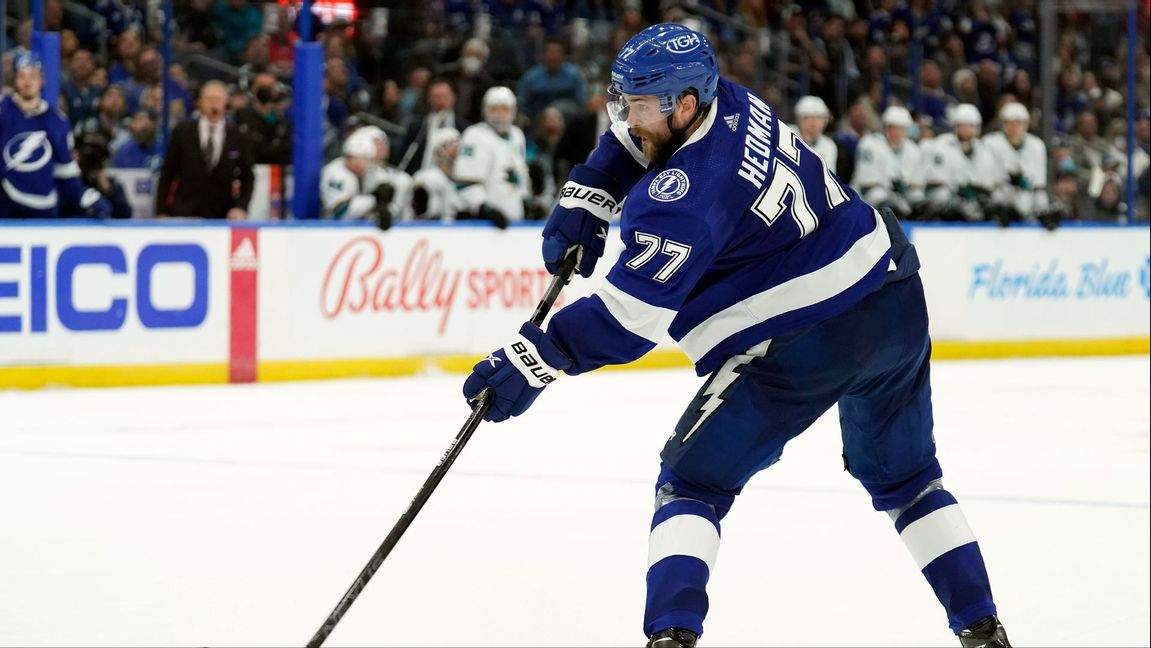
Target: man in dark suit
(581, 135)
(440, 112)
(207, 169)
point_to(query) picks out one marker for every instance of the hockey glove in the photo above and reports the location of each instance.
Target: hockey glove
(102, 208)
(517, 373)
(493, 214)
(588, 203)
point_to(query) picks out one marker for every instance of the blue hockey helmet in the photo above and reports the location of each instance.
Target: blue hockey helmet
(662, 61)
(29, 60)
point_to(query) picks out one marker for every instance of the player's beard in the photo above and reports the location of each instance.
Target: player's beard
(659, 152)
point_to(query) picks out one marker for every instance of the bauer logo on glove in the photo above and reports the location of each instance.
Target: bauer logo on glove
(533, 362)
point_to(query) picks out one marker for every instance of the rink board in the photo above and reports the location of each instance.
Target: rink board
(140, 303)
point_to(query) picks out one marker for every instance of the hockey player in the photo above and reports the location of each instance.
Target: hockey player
(889, 168)
(354, 187)
(434, 193)
(784, 287)
(961, 171)
(812, 116)
(38, 177)
(1022, 163)
(492, 162)
(401, 182)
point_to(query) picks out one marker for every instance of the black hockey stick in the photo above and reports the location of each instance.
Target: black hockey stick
(441, 469)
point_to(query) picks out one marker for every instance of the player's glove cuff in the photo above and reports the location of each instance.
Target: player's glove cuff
(536, 358)
(592, 190)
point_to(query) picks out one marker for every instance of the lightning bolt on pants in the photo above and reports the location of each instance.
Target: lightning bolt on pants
(873, 361)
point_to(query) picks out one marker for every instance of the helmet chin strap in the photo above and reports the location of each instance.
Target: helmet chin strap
(680, 133)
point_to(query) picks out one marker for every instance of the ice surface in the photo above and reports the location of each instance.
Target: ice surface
(238, 515)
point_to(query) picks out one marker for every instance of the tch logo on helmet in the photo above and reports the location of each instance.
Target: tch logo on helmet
(668, 186)
(684, 44)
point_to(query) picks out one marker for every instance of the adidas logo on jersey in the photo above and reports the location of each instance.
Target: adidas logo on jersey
(732, 122)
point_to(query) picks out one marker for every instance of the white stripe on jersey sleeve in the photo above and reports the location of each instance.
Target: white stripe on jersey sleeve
(647, 321)
(621, 133)
(802, 291)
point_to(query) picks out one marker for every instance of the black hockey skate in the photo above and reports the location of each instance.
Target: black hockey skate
(673, 638)
(987, 632)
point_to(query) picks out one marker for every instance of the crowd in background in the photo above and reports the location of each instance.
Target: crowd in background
(414, 71)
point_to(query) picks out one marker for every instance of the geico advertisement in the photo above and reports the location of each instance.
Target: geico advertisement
(1017, 284)
(93, 295)
(349, 293)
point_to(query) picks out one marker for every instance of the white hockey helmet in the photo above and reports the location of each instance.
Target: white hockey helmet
(377, 136)
(811, 106)
(1014, 111)
(499, 96)
(442, 136)
(360, 144)
(966, 113)
(897, 116)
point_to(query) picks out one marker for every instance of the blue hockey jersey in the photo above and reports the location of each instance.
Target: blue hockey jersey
(38, 177)
(742, 235)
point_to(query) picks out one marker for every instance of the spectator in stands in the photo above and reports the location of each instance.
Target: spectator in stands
(1022, 184)
(843, 72)
(68, 46)
(889, 169)
(965, 89)
(540, 155)
(434, 193)
(147, 75)
(1070, 100)
(335, 105)
(256, 59)
(123, 16)
(1087, 147)
(987, 75)
(109, 117)
(1067, 197)
(81, 94)
(933, 101)
(812, 116)
(441, 113)
(387, 104)
(582, 133)
(196, 29)
(92, 158)
(1021, 87)
(852, 128)
(1106, 188)
(470, 80)
(265, 121)
(238, 21)
(142, 150)
(414, 90)
(127, 49)
(980, 33)
(354, 187)
(207, 170)
(552, 82)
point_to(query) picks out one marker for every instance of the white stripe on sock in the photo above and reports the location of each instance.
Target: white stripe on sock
(684, 535)
(936, 533)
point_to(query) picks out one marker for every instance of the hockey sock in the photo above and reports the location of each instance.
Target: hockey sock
(682, 549)
(936, 533)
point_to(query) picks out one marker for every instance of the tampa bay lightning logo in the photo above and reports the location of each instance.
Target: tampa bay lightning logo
(668, 186)
(1145, 277)
(27, 152)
